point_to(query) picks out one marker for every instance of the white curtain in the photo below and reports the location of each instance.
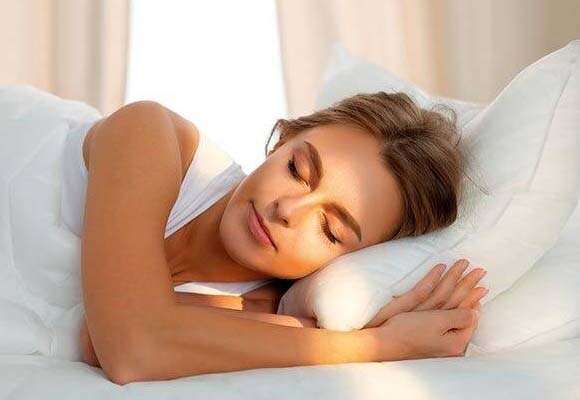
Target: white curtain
(75, 49)
(459, 48)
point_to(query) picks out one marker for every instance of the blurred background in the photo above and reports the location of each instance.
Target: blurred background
(234, 66)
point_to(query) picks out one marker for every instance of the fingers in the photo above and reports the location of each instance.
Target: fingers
(434, 292)
(410, 299)
(464, 287)
(445, 288)
(474, 297)
(424, 288)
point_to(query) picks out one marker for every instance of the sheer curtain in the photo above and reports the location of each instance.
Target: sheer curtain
(216, 63)
(463, 49)
(76, 49)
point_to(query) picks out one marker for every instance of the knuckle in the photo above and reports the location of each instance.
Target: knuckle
(448, 306)
(439, 303)
(422, 293)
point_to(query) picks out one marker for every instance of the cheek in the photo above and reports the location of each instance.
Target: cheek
(306, 255)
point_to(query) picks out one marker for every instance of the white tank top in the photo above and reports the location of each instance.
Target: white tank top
(210, 176)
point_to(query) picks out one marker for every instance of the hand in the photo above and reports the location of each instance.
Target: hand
(428, 334)
(433, 292)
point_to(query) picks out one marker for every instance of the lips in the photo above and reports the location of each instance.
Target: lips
(257, 227)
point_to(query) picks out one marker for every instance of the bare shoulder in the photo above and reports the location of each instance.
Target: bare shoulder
(188, 137)
(134, 157)
(187, 134)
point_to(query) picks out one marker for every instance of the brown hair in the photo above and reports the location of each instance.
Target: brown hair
(420, 147)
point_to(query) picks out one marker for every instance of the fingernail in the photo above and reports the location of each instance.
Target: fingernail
(481, 272)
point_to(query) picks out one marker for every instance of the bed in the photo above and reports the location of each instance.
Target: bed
(550, 371)
(41, 304)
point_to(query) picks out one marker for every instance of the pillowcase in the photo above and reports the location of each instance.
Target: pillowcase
(525, 151)
(347, 75)
(520, 318)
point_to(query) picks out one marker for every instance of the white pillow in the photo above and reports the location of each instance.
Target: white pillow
(347, 75)
(519, 317)
(526, 153)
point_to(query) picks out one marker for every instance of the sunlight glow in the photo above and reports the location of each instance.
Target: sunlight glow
(216, 63)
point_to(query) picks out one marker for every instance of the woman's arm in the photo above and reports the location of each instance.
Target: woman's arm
(90, 357)
(153, 337)
(235, 306)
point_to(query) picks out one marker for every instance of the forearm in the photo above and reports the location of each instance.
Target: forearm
(90, 358)
(192, 340)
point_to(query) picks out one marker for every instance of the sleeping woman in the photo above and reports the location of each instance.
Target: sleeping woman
(368, 169)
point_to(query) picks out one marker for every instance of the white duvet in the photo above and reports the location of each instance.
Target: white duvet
(41, 305)
(549, 372)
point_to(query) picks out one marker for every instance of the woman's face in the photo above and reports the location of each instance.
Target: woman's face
(300, 211)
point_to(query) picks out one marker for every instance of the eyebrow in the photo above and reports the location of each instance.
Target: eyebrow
(342, 212)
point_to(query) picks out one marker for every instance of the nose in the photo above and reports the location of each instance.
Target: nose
(290, 209)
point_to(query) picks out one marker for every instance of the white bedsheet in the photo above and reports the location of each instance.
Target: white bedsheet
(549, 372)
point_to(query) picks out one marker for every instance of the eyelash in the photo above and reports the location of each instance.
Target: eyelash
(324, 231)
(294, 171)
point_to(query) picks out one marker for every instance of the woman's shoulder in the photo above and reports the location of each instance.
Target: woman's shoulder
(186, 132)
(188, 137)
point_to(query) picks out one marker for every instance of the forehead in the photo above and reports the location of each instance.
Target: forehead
(355, 176)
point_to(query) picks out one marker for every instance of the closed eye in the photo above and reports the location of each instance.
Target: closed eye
(326, 233)
(294, 172)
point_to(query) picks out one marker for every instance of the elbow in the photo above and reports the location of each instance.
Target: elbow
(122, 371)
(125, 364)
(122, 375)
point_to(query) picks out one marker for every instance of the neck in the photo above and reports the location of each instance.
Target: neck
(206, 259)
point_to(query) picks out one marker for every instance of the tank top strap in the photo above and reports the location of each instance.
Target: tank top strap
(210, 175)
